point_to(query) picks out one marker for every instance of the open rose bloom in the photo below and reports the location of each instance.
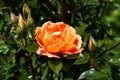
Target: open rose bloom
(57, 39)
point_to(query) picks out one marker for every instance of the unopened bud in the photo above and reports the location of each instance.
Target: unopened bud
(13, 17)
(91, 43)
(26, 10)
(22, 27)
(30, 21)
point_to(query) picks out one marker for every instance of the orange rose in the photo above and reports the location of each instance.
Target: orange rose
(56, 39)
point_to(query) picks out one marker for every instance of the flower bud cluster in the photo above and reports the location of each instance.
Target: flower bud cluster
(23, 21)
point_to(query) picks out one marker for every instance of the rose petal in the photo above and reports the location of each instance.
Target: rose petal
(68, 47)
(42, 51)
(72, 30)
(61, 26)
(39, 42)
(39, 36)
(38, 30)
(54, 48)
(47, 40)
(78, 41)
(56, 33)
(79, 50)
(71, 53)
(44, 26)
(69, 34)
(49, 26)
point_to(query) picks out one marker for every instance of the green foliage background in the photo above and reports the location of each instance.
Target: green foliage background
(96, 18)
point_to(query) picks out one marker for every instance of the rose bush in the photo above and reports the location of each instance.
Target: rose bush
(97, 21)
(56, 39)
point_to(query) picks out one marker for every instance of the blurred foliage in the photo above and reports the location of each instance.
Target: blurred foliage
(98, 19)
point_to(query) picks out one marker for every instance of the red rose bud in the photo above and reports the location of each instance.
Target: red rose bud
(13, 17)
(26, 10)
(30, 21)
(91, 43)
(22, 27)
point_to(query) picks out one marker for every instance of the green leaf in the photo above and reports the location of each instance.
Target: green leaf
(22, 61)
(1, 23)
(20, 45)
(109, 31)
(2, 76)
(6, 16)
(45, 72)
(105, 21)
(24, 74)
(117, 38)
(72, 56)
(8, 75)
(115, 61)
(81, 28)
(91, 74)
(13, 51)
(4, 48)
(55, 65)
(30, 35)
(99, 43)
(32, 48)
(106, 70)
(68, 79)
(82, 60)
(33, 3)
(93, 3)
(1, 3)
(7, 67)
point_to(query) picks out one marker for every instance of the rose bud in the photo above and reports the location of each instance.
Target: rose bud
(26, 10)
(13, 17)
(30, 21)
(22, 27)
(91, 43)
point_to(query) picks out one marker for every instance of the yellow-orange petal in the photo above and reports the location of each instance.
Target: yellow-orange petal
(56, 33)
(38, 30)
(54, 48)
(68, 47)
(39, 36)
(69, 34)
(47, 40)
(42, 51)
(40, 42)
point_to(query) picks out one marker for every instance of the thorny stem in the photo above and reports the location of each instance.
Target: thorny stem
(95, 63)
(104, 9)
(108, 50)
(29, 60)
(101, 54)
(112, 47)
